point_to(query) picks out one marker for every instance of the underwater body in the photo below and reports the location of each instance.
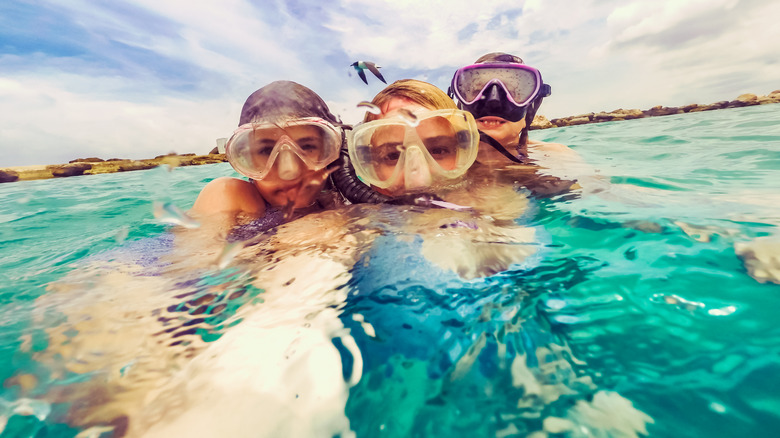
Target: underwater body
(637, 310)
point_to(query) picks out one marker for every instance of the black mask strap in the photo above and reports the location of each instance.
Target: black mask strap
(497, 146)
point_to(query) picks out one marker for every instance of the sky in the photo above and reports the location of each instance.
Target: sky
(137, 79)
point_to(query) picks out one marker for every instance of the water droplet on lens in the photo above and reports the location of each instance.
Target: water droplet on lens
(555, 303)
(370, 107)
(95, 432)
(31, 407)
(168, 213)
(289, 207)
(408, 117)
(724, 311)
(229, 252)
(121, 234)
(717, 407)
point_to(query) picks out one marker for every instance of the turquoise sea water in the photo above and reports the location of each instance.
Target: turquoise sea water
(640, 314)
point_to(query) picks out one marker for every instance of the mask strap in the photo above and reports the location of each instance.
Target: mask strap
(497, 146)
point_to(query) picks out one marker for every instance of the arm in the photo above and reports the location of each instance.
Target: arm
(229, 195)
(221, 205)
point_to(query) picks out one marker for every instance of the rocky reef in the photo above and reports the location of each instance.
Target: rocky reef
(94, 166)
(541, 122)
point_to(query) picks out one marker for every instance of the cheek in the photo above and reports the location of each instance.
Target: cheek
(447, 163)
(388, 192)
(267, 191)
(304, 191)
(384, 172)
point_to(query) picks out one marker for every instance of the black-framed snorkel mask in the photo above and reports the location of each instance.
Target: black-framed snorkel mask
(503, 90)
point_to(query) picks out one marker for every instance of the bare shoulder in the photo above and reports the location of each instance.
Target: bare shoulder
(555, 149)
(227, 194)
(549, 147)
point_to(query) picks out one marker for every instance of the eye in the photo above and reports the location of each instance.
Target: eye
(391, 156)
(265, 150)
(441, 147)
(310, 147)
(387, 154)
(439, 151)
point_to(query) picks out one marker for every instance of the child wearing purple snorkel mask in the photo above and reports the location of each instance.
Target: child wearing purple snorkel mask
(503, 94)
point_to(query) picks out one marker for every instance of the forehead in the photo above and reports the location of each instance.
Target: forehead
(392, 133)
(391, 106)
(293, 131)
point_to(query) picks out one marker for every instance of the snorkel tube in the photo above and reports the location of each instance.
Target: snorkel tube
(349, 185)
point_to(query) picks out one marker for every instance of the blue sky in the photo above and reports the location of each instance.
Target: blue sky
(136, 79)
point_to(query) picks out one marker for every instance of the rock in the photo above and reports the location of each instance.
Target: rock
(8, 176)
(628, 114)
(172, 160)
(659, 110)
(689, 108)
(763, 100)
(557, 123)
(737, 104)
(578, 121)
(713, 106)
(748, 97)
(540, 122)
(604, 117)
(135, 165)
(209, 159)
(74, 169)
(87, 160)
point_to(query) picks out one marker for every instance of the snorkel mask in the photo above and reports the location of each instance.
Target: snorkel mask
(254, 148)
(503, 90)
(414, 151)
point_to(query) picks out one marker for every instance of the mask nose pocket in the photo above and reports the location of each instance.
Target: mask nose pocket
(288, 164)
(416, 172)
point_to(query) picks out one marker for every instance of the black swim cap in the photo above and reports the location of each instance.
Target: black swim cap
(284, 100)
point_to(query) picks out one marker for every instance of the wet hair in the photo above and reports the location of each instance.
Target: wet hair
(283, 100)
(419, 92)
(498, 57)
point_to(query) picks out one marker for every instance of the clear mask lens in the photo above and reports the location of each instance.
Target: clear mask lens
(384, 151)
(521, 83)
(255, 148)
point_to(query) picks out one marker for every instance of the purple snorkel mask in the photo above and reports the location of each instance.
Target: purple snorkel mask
(503, 90)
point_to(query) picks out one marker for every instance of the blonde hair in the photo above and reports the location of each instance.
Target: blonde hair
(419, 92)
(498, 57)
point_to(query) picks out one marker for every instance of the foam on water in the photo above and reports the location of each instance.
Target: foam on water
(634, 311)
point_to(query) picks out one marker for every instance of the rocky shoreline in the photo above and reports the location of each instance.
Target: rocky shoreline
(94, 166)
(541, 122)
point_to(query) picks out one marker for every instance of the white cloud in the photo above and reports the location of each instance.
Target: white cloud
(46, 124)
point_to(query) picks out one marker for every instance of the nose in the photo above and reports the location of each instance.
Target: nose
(416, 172)
(288, 165)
